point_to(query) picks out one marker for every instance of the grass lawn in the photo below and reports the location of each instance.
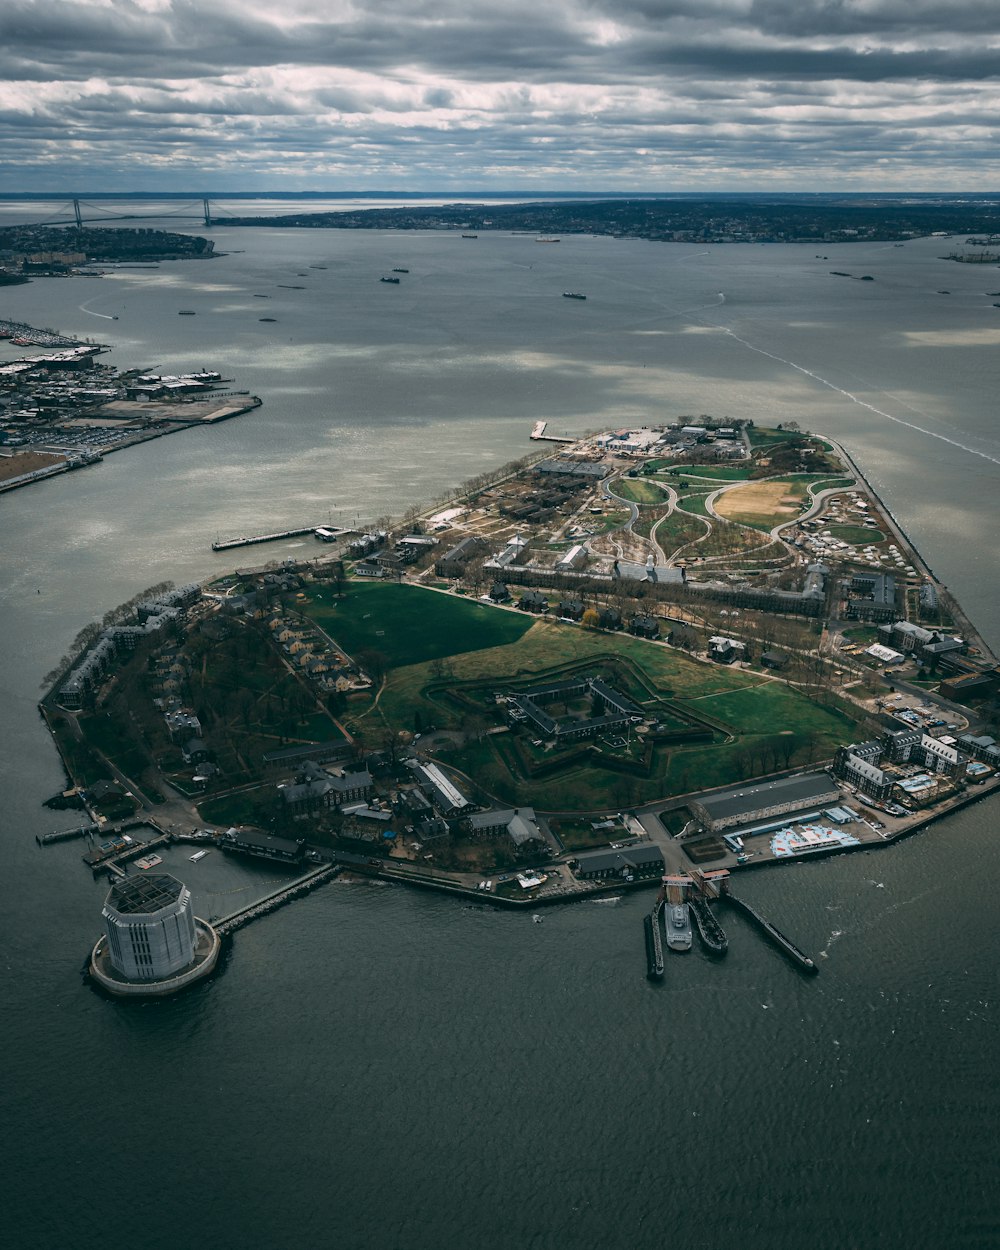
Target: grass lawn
(251, 807)
(772, 707)
(863, 635)
(754, 708)
(718, 472)
(760, 437)
(648, 519)
(545, 644)
(639, 490)
(679, 529)
(858, 535)
(410, 625)
(695, 503)
(579, 835)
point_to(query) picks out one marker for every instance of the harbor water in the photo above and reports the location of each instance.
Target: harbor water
(378, 1068)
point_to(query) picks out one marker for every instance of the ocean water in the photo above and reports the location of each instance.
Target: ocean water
(377, 1068)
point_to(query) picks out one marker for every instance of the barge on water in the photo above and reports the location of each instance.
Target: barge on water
(654, 944)
(712, 934)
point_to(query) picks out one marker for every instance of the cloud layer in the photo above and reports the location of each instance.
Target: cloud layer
(570, 94)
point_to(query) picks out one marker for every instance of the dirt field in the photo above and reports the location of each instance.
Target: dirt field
(26, 462)
(761, 500)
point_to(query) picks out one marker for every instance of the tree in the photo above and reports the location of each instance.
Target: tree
(591, 618)
(375, 663)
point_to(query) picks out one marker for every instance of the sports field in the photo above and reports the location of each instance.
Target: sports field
(410, 625)
(763, 504)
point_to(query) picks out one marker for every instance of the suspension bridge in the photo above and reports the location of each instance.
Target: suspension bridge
(79, 212)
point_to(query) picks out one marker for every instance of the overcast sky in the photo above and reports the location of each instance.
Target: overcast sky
(652, 95)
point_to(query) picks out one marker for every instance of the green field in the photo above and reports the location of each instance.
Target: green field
(639, 490)
(410, 625)
(718, 472)
(749, 709)
(695, 503)
(679, 529)
(858, 535)
(760, 437)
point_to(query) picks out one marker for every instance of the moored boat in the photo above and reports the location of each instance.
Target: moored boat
(710, 931)
(678, 923)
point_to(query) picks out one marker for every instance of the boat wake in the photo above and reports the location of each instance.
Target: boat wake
(856, 399)
(90, 313)
(825, 952)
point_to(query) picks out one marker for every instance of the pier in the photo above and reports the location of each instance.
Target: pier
(539, 435)
(99, 861)
(271, 902)
(65, 835)
(227, 544)
(784, 944)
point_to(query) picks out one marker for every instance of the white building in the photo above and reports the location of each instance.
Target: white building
(575, 558)
(150, 927)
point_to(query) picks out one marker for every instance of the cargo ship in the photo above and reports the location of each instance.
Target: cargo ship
(573, 295)
(394, 281)
(678, 922)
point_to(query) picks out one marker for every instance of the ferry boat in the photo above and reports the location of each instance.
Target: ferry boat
(197, 856)
(678, 922)
(573, 295)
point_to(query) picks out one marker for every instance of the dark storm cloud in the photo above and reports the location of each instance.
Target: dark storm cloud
(573, 92)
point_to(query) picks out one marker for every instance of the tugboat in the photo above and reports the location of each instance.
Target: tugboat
(678, 922)
(710, 931)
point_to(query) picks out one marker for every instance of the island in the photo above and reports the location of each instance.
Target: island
(750, 218)
(652, 657)
(46, 251)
